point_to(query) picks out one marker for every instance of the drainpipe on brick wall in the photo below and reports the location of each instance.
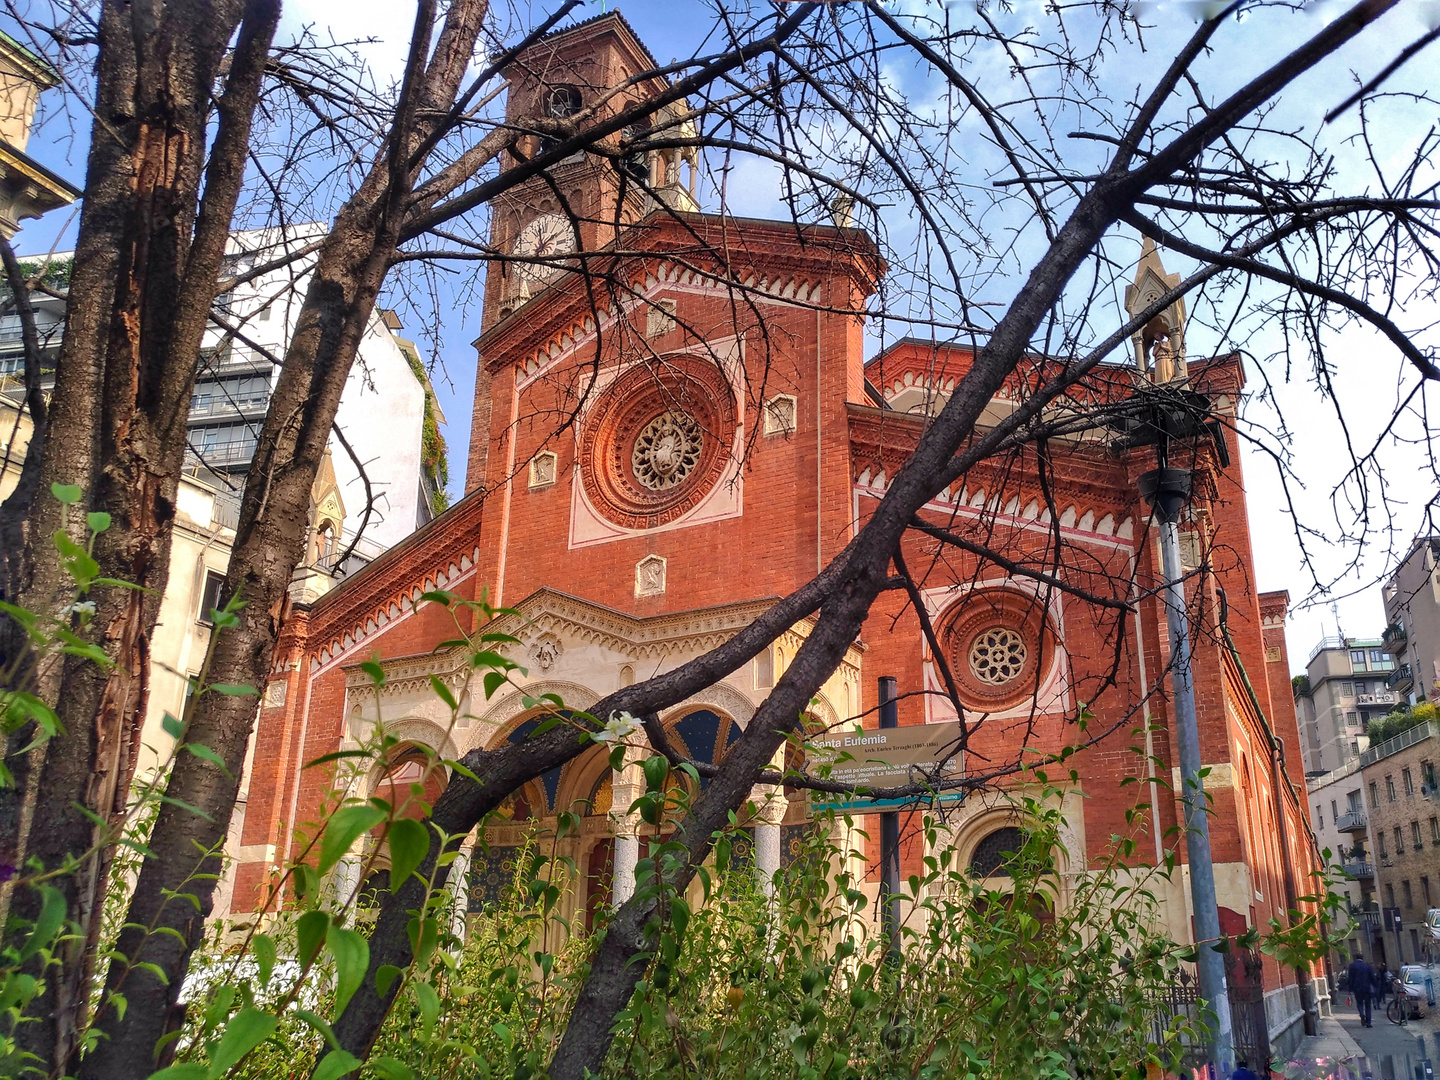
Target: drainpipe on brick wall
(1277, 761)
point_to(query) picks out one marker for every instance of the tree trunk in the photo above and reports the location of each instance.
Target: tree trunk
(269, 543)
(149, 256)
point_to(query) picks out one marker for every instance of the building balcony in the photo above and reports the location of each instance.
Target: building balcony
(204, 407)
(1360, 870)
(1394, 638)
(220, 455)
(1401, 679)
(1352, 822)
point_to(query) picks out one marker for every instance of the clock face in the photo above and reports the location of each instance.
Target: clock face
(546, 237)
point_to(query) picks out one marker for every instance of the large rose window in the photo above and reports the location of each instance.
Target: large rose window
(657, 442)
(999, 644)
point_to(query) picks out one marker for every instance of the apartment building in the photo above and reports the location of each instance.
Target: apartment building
(1412, 636)
(1403, 801)
(388, 415)
(1341, 824)
(1346, 685)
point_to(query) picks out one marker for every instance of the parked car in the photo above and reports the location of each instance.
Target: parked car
(1415, 981)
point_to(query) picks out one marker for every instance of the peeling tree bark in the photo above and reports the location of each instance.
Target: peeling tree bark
(148, 257)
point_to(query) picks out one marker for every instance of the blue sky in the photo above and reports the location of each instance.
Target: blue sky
(1368, 377)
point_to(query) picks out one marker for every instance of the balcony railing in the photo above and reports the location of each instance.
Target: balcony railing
(1401, 679)
(225, 453)
(241, 404)
(1394, 638)
(1360, 869)
(1351, 821)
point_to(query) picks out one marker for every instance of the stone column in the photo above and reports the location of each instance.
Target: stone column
(457, 884)
(770, 805)
(622, 871)
(626, 785)
(346, 880)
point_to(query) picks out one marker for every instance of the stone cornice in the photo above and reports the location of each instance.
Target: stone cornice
(785, 263)
(548, 610)
(1085, 481)
(406, 675)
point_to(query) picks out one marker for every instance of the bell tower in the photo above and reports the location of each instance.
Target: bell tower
(583, 200)
(1160, 343)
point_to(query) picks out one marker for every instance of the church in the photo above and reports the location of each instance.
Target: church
(665, 444)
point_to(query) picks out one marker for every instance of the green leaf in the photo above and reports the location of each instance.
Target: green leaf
(389, 1068)
(656, 768)
(204, 753)
(98, 521)
(191, 1070)
(263, 946)
(246, 1030)
(78, 562)
(47, 923)
(334, 1065)
(173, 727)
(352, 957)
(346, 826)
(374, 670)
(437, 596)
(233, 689)
(493, 681)
(429, 1002)
(385, 977)
(310, 931)
(66, 493)
(443, 692)
(409, 844)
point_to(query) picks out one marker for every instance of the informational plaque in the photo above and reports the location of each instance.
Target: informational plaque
(892, 757)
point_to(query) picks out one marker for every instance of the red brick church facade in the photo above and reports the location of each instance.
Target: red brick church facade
(657, 458)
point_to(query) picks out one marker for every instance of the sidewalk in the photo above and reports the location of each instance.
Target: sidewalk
(1330, 1052)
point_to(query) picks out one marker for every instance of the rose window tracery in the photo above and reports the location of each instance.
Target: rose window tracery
(657, 441)
(666, 451)
(1000, 645)
(998, 655)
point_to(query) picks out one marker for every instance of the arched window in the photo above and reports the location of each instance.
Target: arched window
(412, 783)
(634, 163)
(995, 850)
(562, 102)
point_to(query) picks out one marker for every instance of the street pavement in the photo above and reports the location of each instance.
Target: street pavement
(1394, 1051)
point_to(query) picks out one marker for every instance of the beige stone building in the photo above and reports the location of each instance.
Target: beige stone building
(1412, 608)
(1400, 777)
(27, 188)
(1346, 685)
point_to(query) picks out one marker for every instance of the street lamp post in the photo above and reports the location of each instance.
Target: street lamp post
(890, 837)
(1166, 490)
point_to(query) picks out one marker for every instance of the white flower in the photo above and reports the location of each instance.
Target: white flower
(621, 726)
(83, 608)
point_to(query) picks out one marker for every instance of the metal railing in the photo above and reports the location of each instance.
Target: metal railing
(225, 453)
(1394, 634)
(1416, 734)
(1401, 676)
(1360, 869)
(215, 405)
(1177, 1008)
(1351, 821)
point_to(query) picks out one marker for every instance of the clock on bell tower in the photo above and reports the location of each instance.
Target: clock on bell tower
(582, 200)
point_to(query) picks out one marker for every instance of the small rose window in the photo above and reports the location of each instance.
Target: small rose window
(1000, 646)
(998, 655)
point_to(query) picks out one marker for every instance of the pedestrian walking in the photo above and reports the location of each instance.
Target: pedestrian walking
(1382, 983)
(1362, 978)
